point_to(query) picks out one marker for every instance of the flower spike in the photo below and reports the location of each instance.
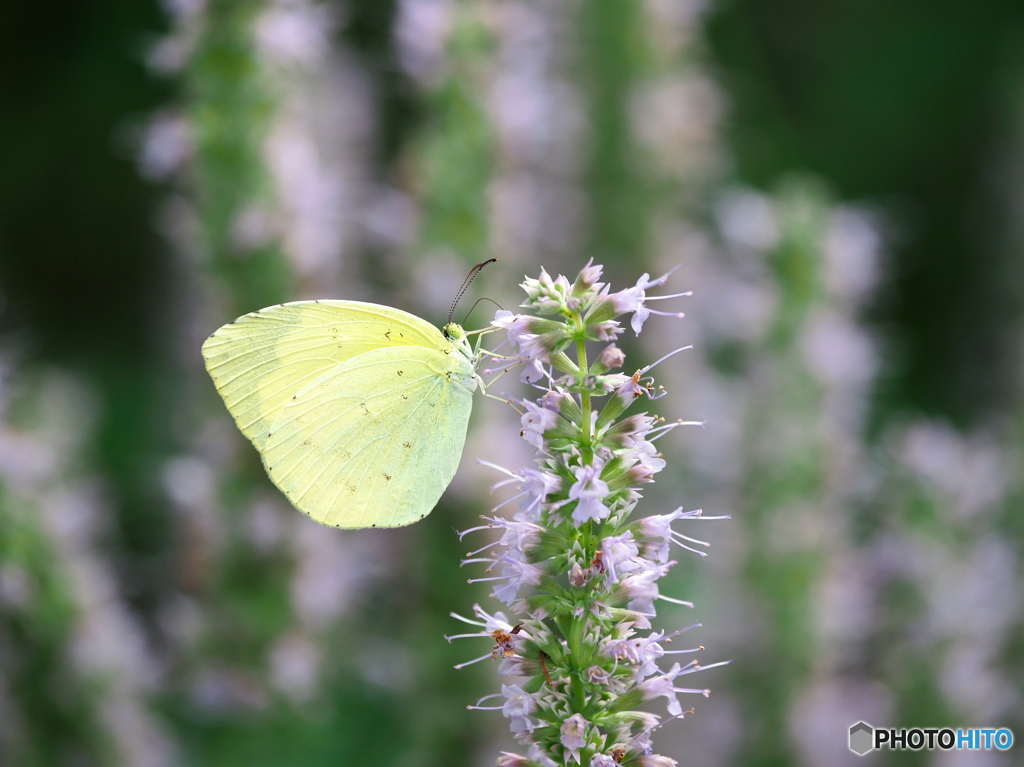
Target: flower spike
(585, 576)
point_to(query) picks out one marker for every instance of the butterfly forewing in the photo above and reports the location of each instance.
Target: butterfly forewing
(376, 439)
(260, 361)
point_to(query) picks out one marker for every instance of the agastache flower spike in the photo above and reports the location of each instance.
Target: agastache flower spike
(580, 576)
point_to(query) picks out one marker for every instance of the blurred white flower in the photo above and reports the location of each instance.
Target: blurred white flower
(165, 146)
(296, 31)
(421, 32)
(747, 220)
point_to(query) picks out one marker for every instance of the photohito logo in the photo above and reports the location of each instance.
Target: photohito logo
(864, 738)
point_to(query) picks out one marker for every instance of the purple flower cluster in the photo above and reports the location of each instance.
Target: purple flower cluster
(584, 576)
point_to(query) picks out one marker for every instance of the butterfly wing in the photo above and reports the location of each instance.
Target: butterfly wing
(375, 441)
(262, 359)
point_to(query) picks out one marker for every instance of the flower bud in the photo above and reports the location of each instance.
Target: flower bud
(610, 359)
(545, 295)
(588, 278)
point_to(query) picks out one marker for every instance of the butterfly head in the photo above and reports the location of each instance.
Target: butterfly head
(454, 332)
(460, 341)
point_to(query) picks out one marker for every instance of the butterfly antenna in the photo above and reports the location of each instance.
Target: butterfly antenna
(465, 284)
(483, 298)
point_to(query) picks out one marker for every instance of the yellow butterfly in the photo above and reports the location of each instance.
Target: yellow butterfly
(359, 411)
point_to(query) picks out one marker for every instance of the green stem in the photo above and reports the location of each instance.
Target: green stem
(586, 443)
(581, 359)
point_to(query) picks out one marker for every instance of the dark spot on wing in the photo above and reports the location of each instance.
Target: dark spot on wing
(399, 372)
(406, 444)
(387, 477)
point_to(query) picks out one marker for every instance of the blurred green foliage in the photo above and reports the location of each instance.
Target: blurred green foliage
(912, 105)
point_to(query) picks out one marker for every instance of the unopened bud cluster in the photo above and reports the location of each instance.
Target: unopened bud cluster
(583, 657)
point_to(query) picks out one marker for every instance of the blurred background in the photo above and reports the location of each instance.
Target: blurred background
(841, 187)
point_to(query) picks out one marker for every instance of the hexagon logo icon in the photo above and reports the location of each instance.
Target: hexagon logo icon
(862, 737)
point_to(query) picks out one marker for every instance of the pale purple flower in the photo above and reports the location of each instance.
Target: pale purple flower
(534, 487)
(496, 628)
(519, 536)
(636, 426)
(640, 588)
(608, 330)
(659, 528)
(634, 300)
(517, 665)
(613, 382)
(617, 554)
(573, 731)
(589, 491)
(515, 324)
(519, 704)
(641, 742)
(554, 399)
(490, 622)
(662, 686)
(516, 573)
(578, 577)
(527, 343)
(536, 421)
(537, 354)
(629, 388)
(643, 453)
(598, 675)
(642, 652)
